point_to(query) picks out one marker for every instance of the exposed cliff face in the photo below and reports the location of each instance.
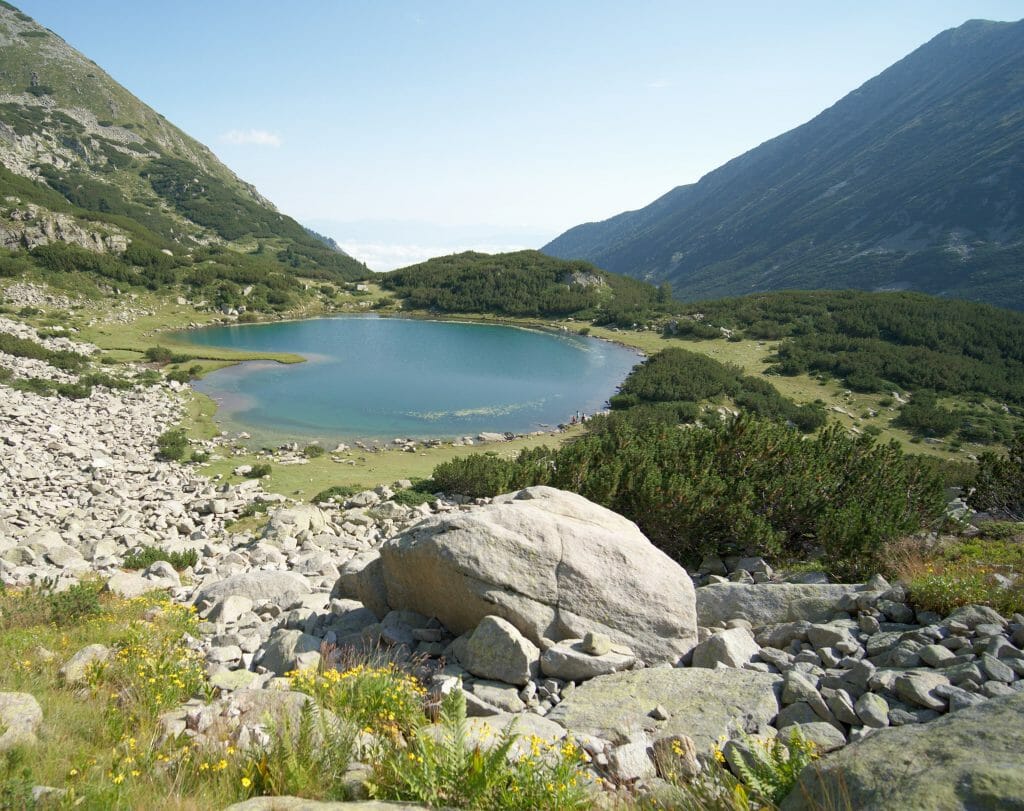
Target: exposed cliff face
(26, 226)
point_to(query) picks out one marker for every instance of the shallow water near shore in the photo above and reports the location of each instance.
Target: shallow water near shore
(379, 378)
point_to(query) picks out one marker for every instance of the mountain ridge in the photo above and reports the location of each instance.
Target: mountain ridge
(86, 165)
(868, 191)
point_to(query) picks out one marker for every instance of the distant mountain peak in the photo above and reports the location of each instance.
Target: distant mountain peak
(915, 180)
(86, 163)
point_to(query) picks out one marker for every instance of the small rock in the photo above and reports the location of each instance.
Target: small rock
(873, 710)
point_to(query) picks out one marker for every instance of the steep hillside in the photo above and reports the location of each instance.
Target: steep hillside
(86, 165)
(523, 283)
(913, 181)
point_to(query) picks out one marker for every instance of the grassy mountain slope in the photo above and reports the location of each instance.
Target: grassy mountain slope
(913, 181)
(86, 164)
(523, 284)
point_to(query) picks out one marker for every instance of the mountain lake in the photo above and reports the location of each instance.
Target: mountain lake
(367, 377)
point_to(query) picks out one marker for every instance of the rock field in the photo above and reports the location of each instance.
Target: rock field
(540, 605)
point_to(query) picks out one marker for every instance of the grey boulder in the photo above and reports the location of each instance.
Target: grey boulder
(732, 648)
(702, 704)
(570, 661)
(770, 603)
(289, 650)
(281, 588)
(20, 717)
(973, 758)
(550, 562)
(496, 650)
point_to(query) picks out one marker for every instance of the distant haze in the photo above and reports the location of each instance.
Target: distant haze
(388, 244)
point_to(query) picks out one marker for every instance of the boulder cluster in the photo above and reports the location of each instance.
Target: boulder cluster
(542, 607)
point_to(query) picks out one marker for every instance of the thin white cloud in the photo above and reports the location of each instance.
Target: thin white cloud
(658, 84)
(252, 137)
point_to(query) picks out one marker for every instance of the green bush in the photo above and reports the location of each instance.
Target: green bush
(23, 608)
(476, 476)
(313, 450)
(179, 376)
(999, 485)
(420, 493)
(1002, 530)
(199, 456)
(923, 416)
(338, 492)
(747, 486)
(259, 471)
(148, 555)
(26, 348)
(158, 354)
(172, 444)
(254, 508)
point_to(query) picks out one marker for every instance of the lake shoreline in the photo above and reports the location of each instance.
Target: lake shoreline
(381, 439)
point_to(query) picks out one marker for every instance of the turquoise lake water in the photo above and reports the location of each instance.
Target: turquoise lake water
(379, 378)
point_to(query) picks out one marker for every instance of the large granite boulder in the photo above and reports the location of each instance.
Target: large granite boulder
(770, 603)
(973, 758)
(702, 704)
(281, 588)
(551, 563)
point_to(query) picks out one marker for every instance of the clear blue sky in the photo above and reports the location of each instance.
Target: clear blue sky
(529, 117)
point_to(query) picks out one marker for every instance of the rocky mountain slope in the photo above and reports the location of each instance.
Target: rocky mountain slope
(86, 163)
(912, 181)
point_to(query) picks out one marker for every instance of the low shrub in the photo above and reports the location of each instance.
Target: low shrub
(26, 348)
(999, 484)
(259, 471)
(21, 608)
(743, 487)
(313, 450)
(158, 354)
(172, 444)
(148, 555)
(337, 492)
(1002, 531)
(414, 496)
(179, 376)
(254, 508)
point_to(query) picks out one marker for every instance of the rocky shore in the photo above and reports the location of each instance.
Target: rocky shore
(544, 608)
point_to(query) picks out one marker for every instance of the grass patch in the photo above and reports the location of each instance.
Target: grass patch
(369, 469)
(982, 570)
(24, 608)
